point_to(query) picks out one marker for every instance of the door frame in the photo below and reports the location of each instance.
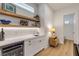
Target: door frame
(73, 25)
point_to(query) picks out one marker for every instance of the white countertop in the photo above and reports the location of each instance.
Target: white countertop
(17, 39)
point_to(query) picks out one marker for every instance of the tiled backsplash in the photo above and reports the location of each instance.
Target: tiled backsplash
(14, 32)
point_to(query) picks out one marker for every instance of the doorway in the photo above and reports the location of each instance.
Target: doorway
(69, 26)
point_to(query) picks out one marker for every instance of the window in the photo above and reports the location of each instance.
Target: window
(66, 22)
(25, 6)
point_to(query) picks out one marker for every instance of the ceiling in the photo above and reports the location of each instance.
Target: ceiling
(58, 6)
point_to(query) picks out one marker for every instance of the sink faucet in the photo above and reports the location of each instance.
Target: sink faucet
(36, 33)
(2, 34)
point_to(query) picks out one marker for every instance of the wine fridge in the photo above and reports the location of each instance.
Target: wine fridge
(15, 49)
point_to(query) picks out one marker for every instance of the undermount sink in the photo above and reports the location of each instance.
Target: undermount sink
(36, 35)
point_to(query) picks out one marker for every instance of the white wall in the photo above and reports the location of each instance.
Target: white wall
(59, 22)
(0, 5)
(46, 14)
(49, 16)
(48, 21)
(41, 12)
(76, 28)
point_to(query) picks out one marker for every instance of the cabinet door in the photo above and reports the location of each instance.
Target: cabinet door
(30, 47)
(33, 46)
(36, 44)
(41, 44)
(0, 52)
(27, 48)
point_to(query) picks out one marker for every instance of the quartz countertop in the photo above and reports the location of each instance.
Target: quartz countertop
(17, 39)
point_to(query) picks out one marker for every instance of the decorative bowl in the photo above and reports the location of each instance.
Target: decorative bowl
(5, 21)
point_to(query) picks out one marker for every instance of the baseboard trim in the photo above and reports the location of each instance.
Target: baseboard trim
(61, 42)
(39, 52)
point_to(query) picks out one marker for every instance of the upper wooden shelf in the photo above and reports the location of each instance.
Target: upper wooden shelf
(17, 16)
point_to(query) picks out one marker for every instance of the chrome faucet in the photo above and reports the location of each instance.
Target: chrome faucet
(36, 33)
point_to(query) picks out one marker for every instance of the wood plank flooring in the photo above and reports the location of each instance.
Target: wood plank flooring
(65, 49)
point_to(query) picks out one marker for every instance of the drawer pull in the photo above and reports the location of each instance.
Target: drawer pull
(29, 44)
(29, 41)
(40, 41)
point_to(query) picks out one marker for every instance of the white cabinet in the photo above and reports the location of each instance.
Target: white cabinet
(33, 46)
(0, 52)
(28, 47)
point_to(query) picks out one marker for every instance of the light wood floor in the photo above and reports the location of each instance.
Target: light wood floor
(65, 49)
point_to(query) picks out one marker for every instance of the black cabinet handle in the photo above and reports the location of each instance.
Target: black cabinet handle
(40, 41)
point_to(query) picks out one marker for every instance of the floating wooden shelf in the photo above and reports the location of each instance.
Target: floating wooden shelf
(11, 25)
(17, 16)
